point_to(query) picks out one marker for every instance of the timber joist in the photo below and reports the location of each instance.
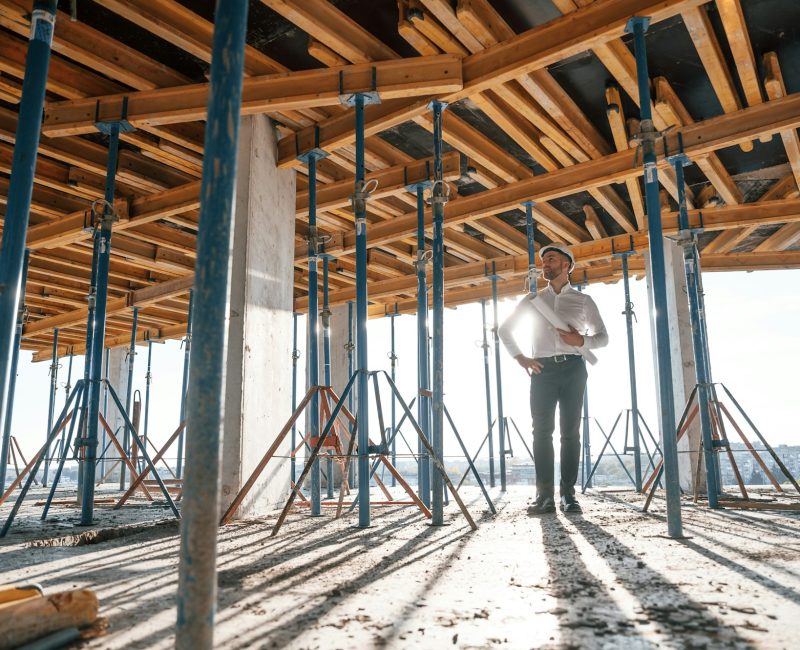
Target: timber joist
(280, 92)
(517, 130)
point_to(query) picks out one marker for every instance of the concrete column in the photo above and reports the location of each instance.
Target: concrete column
(118, 376)
(259, 370)
(683, 365)
(339, 370)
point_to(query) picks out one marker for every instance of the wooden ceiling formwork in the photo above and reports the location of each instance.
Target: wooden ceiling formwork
(543, 107)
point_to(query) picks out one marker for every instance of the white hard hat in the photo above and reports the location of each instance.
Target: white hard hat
(561, 248)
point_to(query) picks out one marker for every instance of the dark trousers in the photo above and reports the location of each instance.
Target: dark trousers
(563, 384)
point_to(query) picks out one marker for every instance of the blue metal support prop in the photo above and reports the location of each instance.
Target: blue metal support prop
(148, 379)
(648, 135)
(691, 263)
(350, 370)
(439, 198)
(360, 197)
(102, 255)
(423, 358)
(51, 407)
(587, 443)
(187, 356)
(530, 230)
(13, 377)
(79, 386)
(488, 385)
(295, 357)
(629, 316)
(23, 165)
(501, 433)
(67, 389)
(197, 581)
(326, 356)
(131, 357)
(393, 367)
(310, 158)
(104, 435)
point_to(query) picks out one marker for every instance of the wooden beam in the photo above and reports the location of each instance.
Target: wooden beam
(332, 27)
(593, 223)
(395, 79)
(532, 50)
(616, 120)
(137, 298)
(669, 102)
(699, 139)
(708, 48)
(733, 22)
(773, 80)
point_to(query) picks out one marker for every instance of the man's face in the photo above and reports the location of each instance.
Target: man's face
(554, 264)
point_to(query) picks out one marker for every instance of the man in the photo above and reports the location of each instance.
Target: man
(558, 373)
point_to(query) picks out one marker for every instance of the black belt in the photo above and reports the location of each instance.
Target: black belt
(558, 358)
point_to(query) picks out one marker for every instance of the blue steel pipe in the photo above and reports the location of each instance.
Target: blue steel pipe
(18, 203)
(393, 359)
(67, 388)
(637, 461)
(438, 200)
(295, 357)
(65, 439)
(126, 438)
(326, 359)
(13, 377)
(104, 435)
(350, 370)
(638, 25)
(501, 432)
(587, 445)
(488, 385)
(187, 356)
(313, 329)
(103, 250)
(148, 379)
(691, 262)
(52, 403)
(530, 230)
(35, 469)
(197, 576)
(362, 393)
(87, 363)
(423, 361)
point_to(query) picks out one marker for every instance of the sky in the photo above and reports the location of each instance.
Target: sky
(753, 321)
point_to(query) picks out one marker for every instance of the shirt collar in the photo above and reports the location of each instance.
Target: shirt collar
(565, 289)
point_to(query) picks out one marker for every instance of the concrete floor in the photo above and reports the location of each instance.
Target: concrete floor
(609, 578)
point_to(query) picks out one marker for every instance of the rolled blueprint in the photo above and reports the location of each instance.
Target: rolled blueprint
(559, 323)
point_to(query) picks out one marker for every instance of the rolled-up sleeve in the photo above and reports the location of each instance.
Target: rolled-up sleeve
(596, 335)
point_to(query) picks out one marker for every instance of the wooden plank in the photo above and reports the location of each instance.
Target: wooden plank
(616, 120)
(708, 48)
(699, 139)
(776, 88)
(333, 28)
(593, 223)
(529, 51)
(400, 78)
(733, 22)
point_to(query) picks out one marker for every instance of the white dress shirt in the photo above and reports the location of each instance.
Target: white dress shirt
(576, 308)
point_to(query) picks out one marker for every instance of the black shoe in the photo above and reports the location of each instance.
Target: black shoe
(570, 504)
(542, 506)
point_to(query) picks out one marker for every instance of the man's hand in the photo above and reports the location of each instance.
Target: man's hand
(530, 365)
(571, 337)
